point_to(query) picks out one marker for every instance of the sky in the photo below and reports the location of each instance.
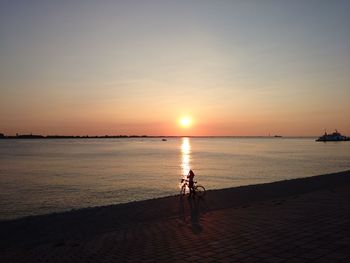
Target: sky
(240, 68)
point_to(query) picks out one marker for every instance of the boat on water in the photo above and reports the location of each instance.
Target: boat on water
(333, 137)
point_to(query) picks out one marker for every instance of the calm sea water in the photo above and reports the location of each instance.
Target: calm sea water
(44, 176)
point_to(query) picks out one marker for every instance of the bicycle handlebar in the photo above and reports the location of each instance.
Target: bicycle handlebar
(185, 180)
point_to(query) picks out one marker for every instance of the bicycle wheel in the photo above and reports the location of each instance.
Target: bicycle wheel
(183, 190)
(199, 190)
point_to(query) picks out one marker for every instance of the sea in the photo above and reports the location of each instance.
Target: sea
(41, 176)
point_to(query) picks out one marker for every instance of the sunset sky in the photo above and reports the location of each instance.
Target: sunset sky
(138, 67)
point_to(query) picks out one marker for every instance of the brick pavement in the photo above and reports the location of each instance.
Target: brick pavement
(307, 227)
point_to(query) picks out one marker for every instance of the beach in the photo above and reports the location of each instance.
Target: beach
(299, 220)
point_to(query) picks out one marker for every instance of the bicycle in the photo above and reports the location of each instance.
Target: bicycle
(199, 190)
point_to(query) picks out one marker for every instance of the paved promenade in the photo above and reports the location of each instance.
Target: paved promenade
(304, 220)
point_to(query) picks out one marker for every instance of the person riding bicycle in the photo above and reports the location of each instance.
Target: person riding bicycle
(190, 177)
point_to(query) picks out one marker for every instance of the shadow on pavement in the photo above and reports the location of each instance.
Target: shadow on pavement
(193, 208)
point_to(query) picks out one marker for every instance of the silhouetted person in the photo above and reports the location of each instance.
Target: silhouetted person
(190, 177)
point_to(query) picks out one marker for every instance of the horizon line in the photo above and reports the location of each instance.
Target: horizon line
(57, 136)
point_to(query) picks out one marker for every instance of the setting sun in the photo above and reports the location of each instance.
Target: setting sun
(185, 122)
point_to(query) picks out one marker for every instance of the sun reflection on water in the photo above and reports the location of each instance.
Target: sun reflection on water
(185, 155)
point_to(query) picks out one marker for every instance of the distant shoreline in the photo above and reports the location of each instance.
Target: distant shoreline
(33, 136)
